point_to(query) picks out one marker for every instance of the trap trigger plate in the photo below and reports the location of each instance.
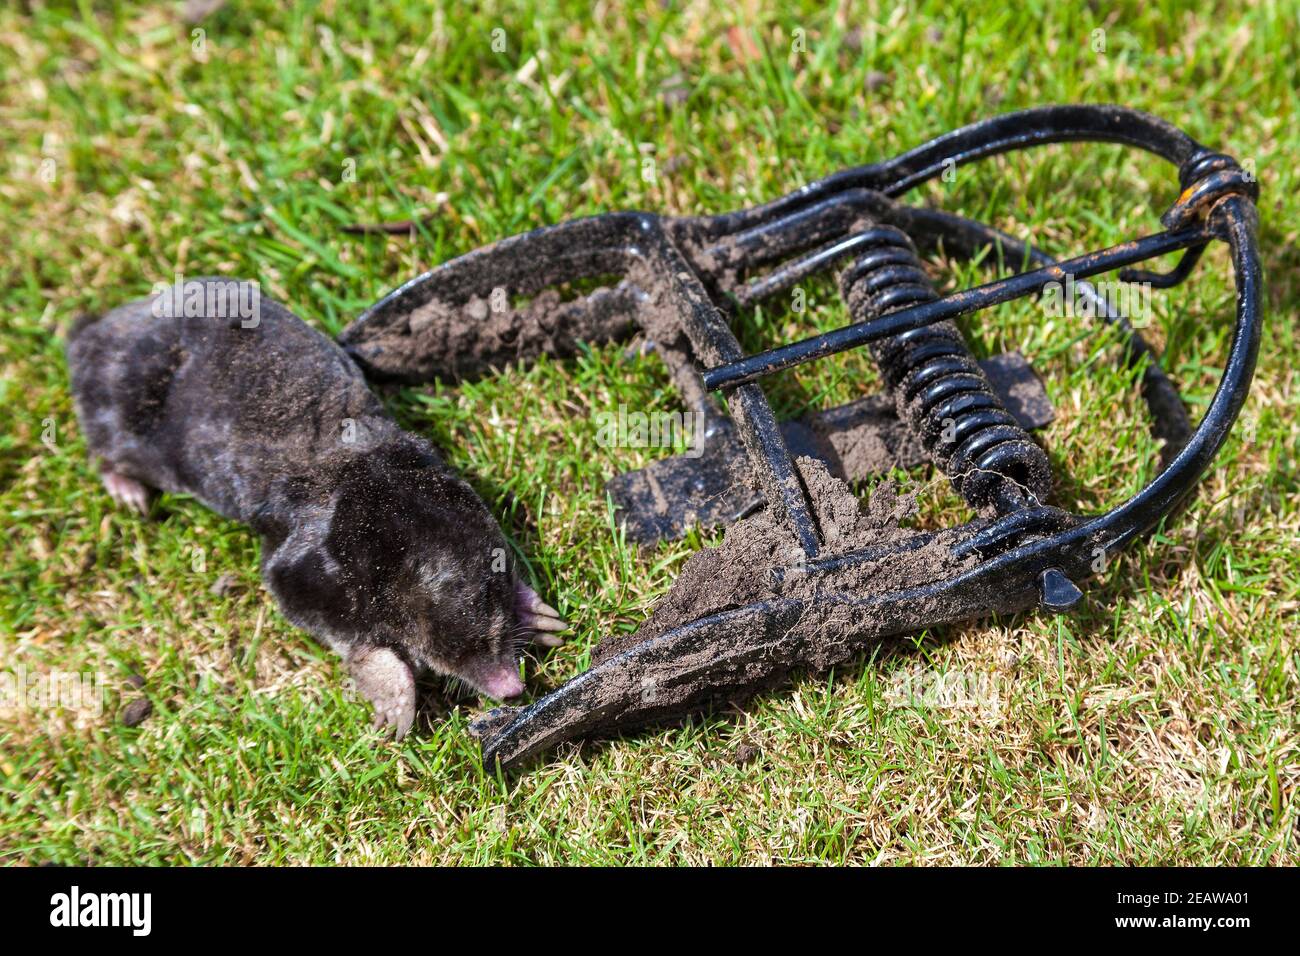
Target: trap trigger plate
(710, 486)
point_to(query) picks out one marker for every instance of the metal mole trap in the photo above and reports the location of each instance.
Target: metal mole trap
(799, 581)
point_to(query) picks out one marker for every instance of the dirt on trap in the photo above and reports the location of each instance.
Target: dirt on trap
(760, 559)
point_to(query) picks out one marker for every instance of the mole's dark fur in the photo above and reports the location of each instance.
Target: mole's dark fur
(370, 542)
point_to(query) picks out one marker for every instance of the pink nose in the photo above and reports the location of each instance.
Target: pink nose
(503, 684)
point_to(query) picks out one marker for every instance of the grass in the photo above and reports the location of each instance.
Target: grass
(1157, 725)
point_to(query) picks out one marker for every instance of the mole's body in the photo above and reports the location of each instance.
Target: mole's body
(370, 542)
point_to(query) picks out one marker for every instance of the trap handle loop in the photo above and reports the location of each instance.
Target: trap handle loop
(1105, 123)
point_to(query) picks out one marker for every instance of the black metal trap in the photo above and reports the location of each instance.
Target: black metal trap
(730, 629)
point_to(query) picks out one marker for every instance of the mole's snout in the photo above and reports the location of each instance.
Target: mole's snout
(503, 683)
(496, 678)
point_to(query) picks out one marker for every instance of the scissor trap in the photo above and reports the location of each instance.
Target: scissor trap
(806, 577)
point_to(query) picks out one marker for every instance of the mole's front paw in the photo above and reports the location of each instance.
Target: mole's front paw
(386, 681)
(125, 491)
(537, 616)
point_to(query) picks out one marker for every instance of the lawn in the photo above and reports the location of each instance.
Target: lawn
(1157, 724)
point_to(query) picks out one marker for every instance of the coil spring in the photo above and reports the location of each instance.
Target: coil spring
(939, 388)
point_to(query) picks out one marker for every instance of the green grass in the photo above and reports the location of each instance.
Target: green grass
(1158, 725)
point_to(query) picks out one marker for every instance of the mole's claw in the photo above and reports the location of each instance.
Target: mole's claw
(126, 491)
(531, 602)
(545, 609)
(543, 622)
(547, 640)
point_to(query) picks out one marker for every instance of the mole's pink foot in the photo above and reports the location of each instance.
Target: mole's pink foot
(386, 681)
(126, 491)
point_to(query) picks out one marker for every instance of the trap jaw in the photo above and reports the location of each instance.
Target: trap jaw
(671, 274)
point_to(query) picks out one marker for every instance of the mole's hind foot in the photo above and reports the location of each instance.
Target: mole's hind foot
(126, 491)
(386, 681)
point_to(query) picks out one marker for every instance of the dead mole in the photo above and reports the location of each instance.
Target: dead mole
(370, 542)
